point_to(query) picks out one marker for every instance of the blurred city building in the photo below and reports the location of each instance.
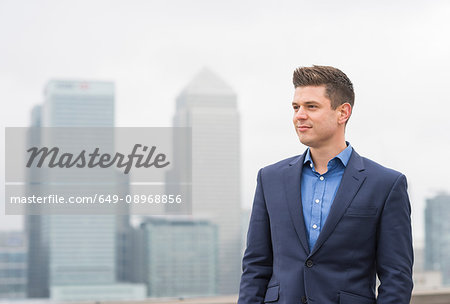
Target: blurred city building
(176, 256)
(209, 106)
(13, 265)
(419, 257)
(427, 280)
(78, 257)
(245, 223)
(437, 235)
(424, 280)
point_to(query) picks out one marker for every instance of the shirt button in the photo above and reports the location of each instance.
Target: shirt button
(314, 226)
(310, 165)
(321, 178)
(317, 201)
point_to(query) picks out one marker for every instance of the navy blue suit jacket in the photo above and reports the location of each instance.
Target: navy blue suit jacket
(367, 232)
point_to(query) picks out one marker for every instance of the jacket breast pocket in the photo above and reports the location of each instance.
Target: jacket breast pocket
(361, 212)
(351, 298)
(272, 294)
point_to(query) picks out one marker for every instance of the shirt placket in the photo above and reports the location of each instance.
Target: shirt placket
(316, 210)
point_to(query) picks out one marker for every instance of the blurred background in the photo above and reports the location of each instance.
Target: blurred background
(223, 68)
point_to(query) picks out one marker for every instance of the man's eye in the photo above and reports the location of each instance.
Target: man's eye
(312, 106)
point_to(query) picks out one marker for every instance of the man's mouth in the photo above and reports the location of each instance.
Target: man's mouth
(302, 128)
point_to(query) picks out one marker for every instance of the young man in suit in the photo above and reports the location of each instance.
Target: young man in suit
(326, 222)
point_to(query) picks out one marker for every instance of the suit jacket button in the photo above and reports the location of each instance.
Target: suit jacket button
(309, 263)
(304, 300)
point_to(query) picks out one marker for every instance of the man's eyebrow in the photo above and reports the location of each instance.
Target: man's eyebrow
(305, 102)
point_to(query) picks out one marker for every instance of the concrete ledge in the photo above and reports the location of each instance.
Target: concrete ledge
(438, 296)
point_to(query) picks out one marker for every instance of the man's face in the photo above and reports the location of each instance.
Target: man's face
(316, 123)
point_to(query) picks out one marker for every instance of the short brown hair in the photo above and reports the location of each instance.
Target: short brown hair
(339, 88)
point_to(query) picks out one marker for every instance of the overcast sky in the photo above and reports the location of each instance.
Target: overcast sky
(396, 54)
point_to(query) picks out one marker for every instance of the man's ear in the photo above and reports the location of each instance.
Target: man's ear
(345, 110)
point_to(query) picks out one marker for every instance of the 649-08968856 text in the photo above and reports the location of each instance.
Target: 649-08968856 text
(99, 199)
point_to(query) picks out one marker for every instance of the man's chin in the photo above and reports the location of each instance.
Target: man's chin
(305, 141)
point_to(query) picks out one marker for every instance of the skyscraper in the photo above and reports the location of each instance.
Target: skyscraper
(13, 265)
(178, 256)
(209, 106)
(437, 235)
(78, 104)
(75, 250)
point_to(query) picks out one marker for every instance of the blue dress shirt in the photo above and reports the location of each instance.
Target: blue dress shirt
(319, 190)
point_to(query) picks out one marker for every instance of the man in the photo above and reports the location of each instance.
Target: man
(326, 222)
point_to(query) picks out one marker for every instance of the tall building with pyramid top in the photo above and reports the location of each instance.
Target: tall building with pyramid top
(209, 106)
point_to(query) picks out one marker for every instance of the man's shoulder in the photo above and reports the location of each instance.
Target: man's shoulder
(374, 168)
(282, 163)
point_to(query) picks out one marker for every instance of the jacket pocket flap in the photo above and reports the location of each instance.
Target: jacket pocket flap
(272, 294)
(351, 298)
(370, 211)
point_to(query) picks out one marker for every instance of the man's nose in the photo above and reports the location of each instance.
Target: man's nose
(301, 114)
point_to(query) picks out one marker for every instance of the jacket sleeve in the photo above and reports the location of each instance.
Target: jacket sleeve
(394, 247)
(258, 257)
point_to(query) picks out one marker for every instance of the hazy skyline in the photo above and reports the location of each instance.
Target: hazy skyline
(396, 54)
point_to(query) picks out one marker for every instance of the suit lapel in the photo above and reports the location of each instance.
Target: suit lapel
(352, 179)
(292, 176)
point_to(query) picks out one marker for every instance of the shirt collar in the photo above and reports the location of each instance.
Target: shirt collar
(344, 156)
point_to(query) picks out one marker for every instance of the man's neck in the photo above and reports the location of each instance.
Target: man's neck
(321, 156)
